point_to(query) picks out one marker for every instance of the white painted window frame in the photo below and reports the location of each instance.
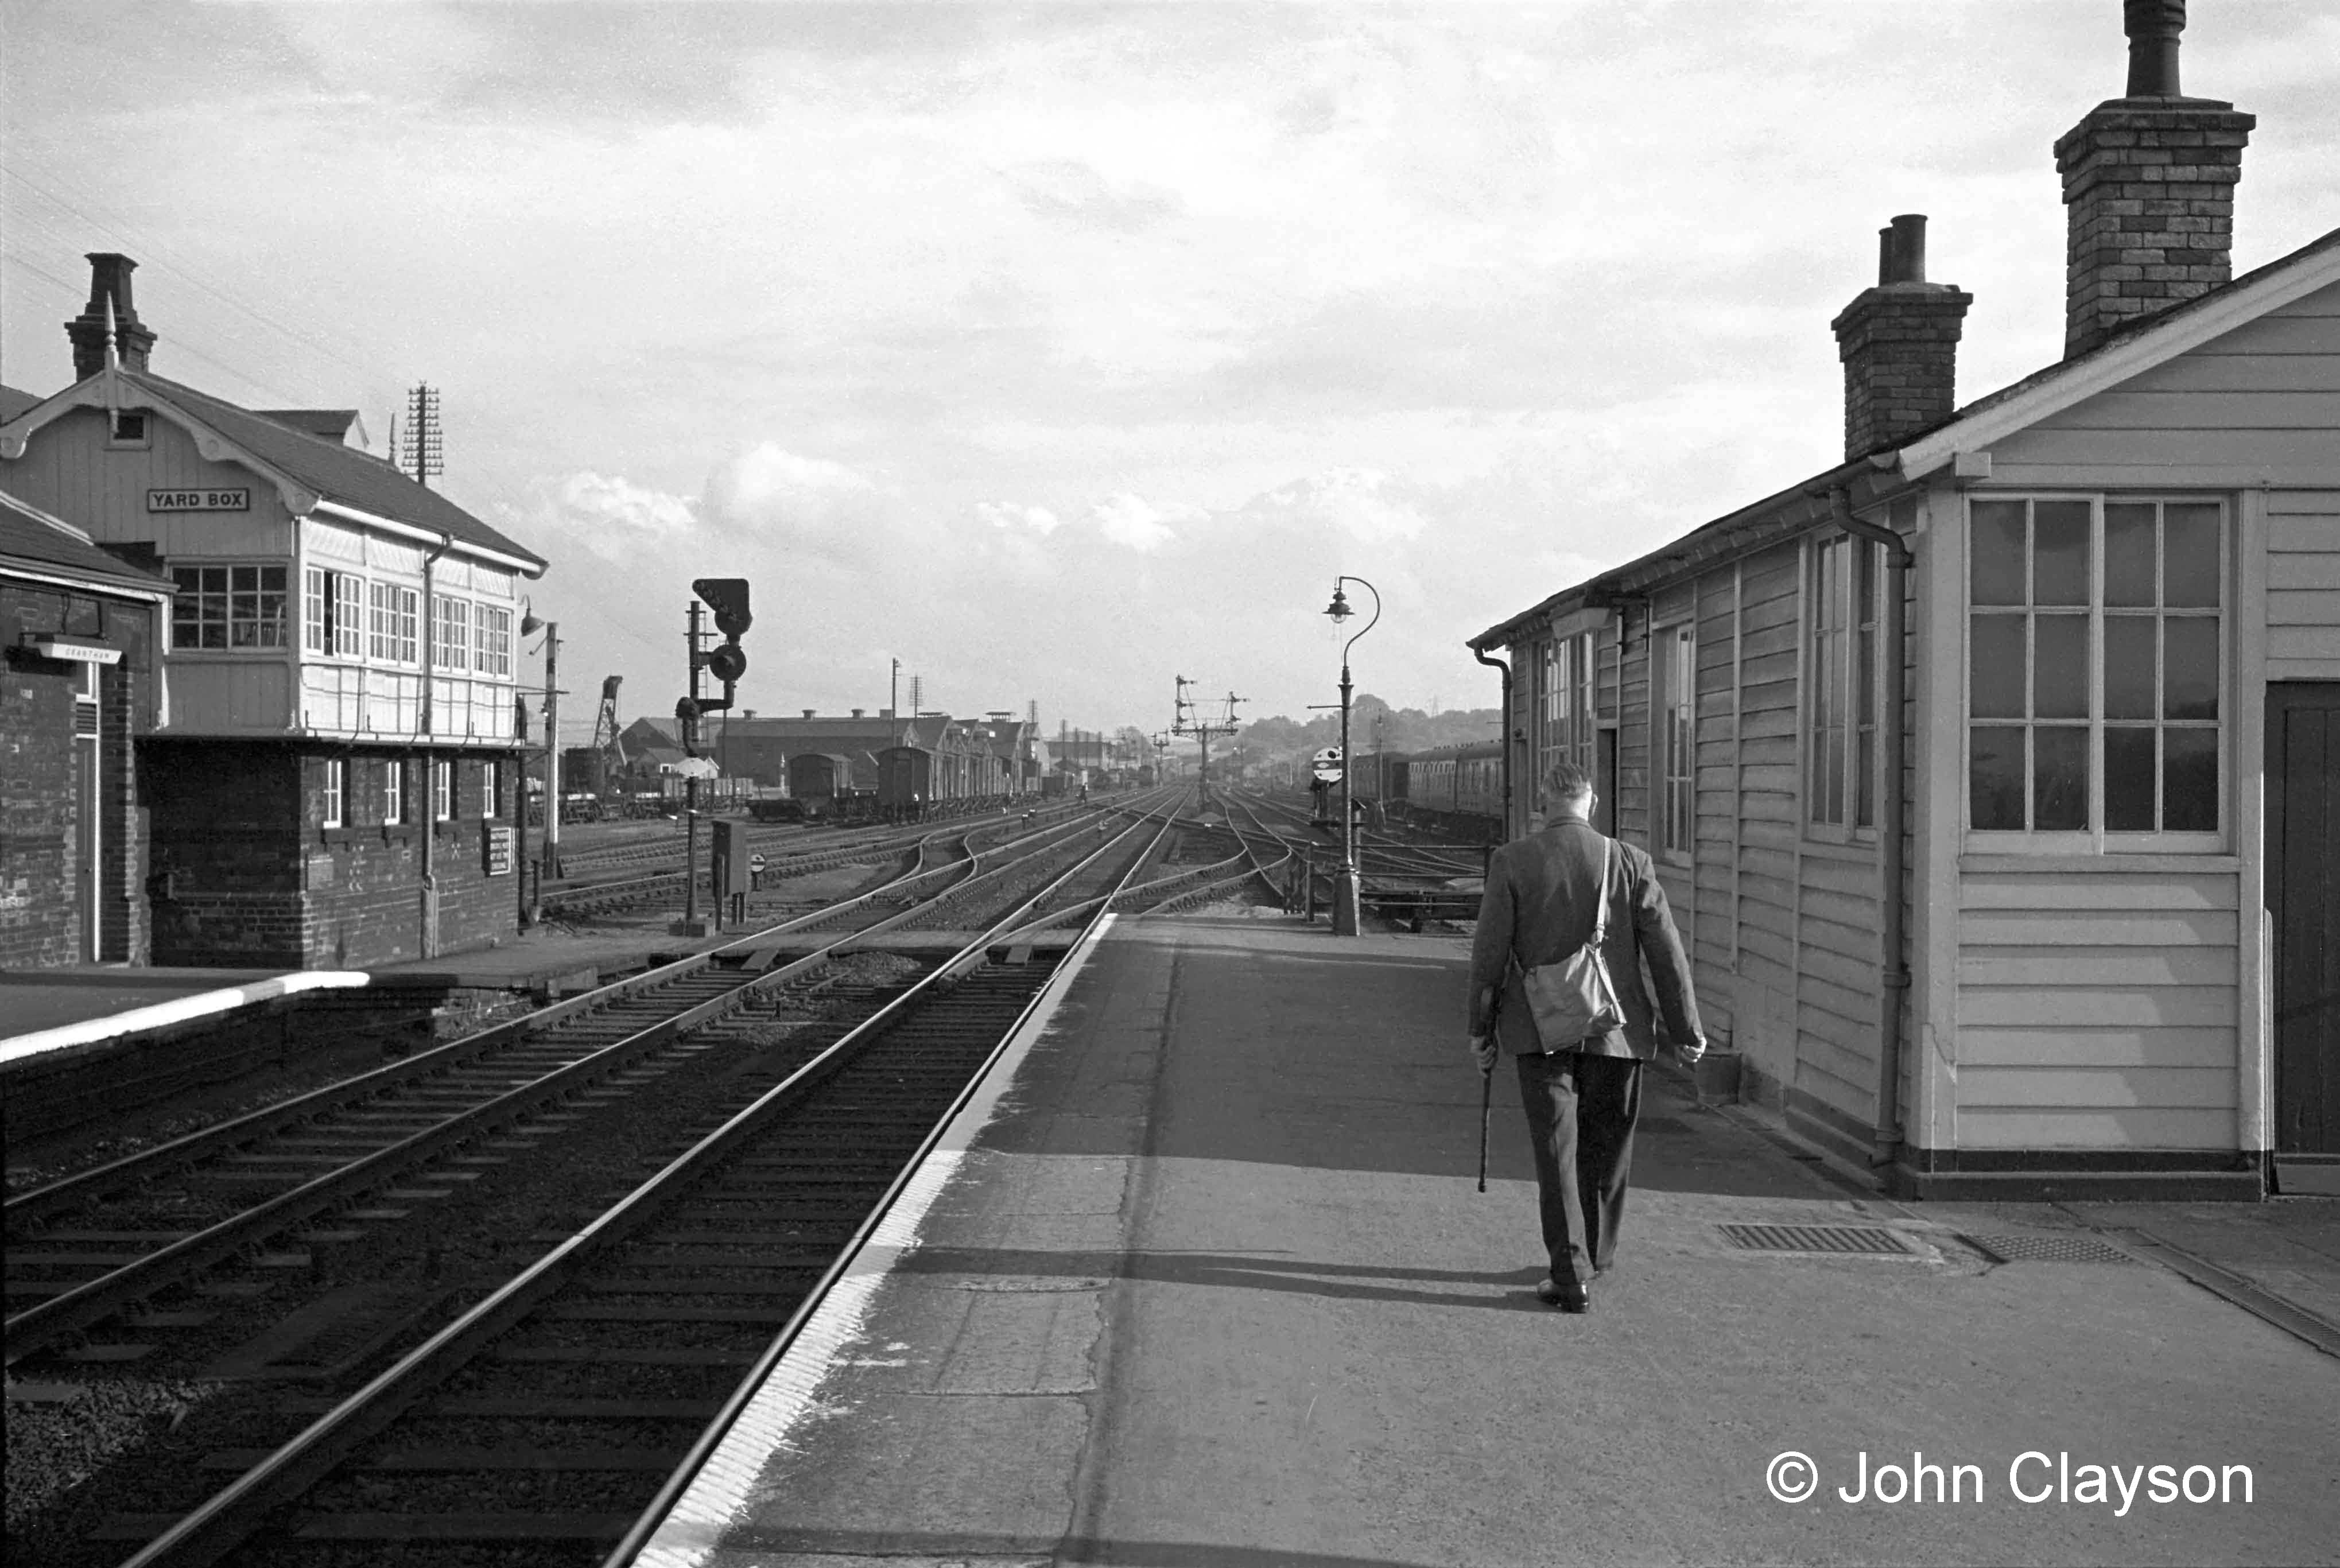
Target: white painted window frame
(2095, 840)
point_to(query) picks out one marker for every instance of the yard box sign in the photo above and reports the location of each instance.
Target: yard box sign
(199, 500)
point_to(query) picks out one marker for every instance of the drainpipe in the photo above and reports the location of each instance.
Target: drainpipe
(1893, 820)
(1505, 670)
(430, 937)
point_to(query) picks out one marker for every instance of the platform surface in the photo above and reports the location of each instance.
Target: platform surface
(1214, 1286)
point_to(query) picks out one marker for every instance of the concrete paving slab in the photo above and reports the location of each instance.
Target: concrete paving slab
(1316, 1343)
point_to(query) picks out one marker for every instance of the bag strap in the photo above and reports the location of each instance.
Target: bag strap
(1600, 895)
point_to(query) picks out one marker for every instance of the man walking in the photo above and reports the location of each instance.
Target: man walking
(1583, 1096)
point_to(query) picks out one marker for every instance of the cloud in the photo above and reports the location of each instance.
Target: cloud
(1360, 503)
(609, 514)
(1070, 190)
(813, 505)
(1133, 521)
(1008, 515)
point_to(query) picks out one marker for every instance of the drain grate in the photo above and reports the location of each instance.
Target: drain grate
(1845, 1238)
(2046, 1249)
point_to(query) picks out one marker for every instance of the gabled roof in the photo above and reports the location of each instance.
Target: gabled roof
(2149, 341)
(340, 474)
(342, 478)
(14, 401)
(331, 425)
(32, 539)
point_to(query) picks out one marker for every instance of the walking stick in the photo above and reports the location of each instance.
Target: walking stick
(1487, 1090)
(1486, 1103)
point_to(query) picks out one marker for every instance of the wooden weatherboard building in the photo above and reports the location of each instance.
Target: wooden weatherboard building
(1994, 774)
(336, 782)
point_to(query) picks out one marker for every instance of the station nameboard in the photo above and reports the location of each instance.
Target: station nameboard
(199, 500)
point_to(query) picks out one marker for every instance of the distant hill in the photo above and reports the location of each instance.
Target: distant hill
(1373, 725)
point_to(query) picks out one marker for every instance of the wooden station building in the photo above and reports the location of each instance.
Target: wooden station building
(1994, 774)
(335, 781)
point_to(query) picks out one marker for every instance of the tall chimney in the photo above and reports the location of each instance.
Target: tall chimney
(1899, 344)
(109, 279)
(2150, 181)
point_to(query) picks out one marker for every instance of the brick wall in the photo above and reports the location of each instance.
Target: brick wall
(44, 885)
(226, 883)
(259, 879)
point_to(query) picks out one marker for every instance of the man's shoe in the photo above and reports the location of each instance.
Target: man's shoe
(1569, 1297)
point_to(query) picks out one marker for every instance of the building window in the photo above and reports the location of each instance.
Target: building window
(1840, 753)
(442, 792)
(336, 787)
(2094, 664)
(1674, 687)
(227, 607)
(128, 427)
(393, 793)
(1564, 710)
(493, 642)
(451, 639)
(390, 624)
(491, 775)
(333, 618)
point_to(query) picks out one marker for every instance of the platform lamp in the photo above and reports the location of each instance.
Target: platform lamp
(1344, 882)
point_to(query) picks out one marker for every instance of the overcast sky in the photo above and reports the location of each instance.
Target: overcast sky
(1058, 350)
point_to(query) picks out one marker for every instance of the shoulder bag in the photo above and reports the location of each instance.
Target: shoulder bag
(1575, 999)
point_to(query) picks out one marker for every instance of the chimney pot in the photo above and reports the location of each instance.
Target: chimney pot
(109, 279)
(809, 712)
(859, 713)
(2153, 27)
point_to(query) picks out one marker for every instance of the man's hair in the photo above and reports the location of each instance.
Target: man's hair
(1568, 781)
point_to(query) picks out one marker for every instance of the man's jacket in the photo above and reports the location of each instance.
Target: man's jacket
(1538, 908)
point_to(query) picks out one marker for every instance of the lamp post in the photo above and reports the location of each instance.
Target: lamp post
(1345, 883)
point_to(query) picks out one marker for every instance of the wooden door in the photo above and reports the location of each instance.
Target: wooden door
(2302, 892)
(89, 804)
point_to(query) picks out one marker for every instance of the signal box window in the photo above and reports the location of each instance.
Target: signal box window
(227, 607)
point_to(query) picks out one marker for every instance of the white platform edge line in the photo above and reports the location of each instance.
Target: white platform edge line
(695, 1527)
(178, 1010)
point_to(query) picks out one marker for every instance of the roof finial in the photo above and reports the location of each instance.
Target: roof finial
(112, 338)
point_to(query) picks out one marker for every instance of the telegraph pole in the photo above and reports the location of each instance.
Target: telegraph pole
(553, 749)
(423, 454)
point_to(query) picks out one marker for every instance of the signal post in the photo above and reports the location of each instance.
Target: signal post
(727, 597)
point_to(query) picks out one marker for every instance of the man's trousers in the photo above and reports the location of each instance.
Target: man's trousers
(1581, 1114)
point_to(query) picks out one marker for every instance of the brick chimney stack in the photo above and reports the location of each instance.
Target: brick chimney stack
(109, 278)
(1899, 344)
(2150, 181)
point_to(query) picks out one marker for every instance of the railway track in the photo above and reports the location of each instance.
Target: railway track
(1406, 881)
(539, 1422)
(252, 1197)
